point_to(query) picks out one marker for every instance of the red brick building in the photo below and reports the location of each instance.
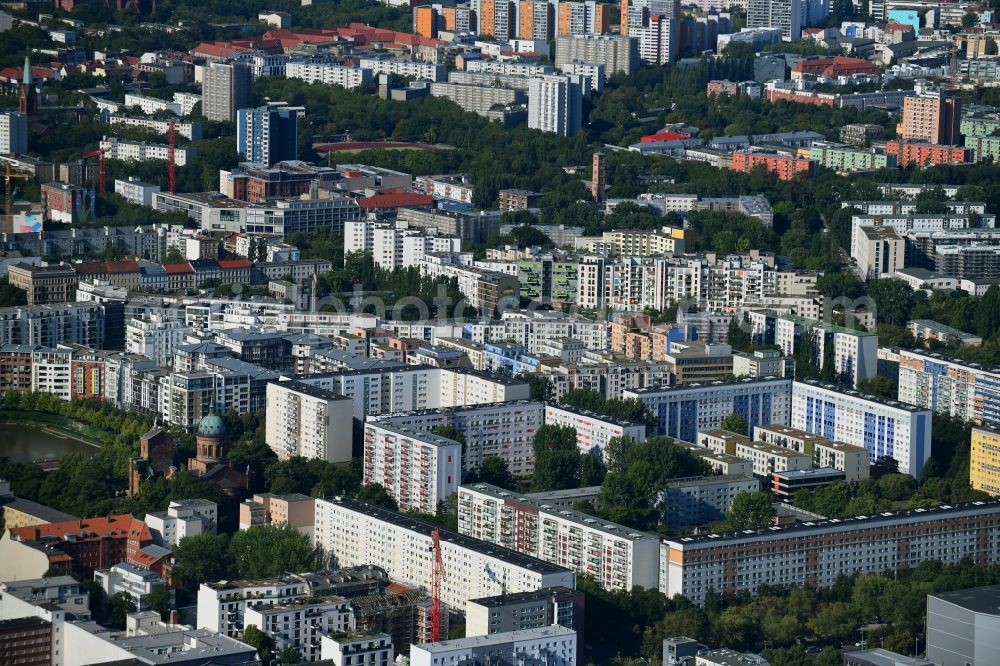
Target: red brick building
(82, 546)
(15, 367)
(785, 167)
(909, 153)
(833, 67)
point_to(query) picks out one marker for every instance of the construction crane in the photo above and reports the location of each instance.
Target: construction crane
(8, 177)
(100, 168)
(171, 162)
(437, 575)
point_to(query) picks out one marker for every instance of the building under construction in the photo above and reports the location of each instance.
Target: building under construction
(404, 614)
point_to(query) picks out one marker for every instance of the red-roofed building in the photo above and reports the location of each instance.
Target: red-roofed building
(222, 50)
(665, 136)
(16, 74)
(121, 273)
(179, 276)
(81, 546)
(909, 153)
(385, 201)
(833, 67)
(785, 167)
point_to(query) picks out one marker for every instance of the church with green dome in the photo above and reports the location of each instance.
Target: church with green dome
(211, 462)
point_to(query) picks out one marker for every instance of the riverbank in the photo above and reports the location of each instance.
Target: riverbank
(55, 425)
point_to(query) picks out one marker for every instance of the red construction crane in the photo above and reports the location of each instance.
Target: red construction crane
(100, 168)
(172, 169)
(437, 575)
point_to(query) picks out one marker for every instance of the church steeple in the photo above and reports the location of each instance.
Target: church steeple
(27, 102)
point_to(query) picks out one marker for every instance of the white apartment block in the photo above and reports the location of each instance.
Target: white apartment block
(541, 329)
(903, 223)
(190, 131)
(187, 101)
(508, 68)
(454, 188)
(151, 105)
(855, 352)
(331, 74)
(770, 458)
(506, 430)
(136, 191)
(962, 389)
(683, 411)
(815, 553)
(593, 431)
(418, 470)
(155, 337)
(881, 252)
(555, 103)
(617, 557)
(552, 646)
(136, 582)
(355, 533)
(122, 149)
(883, 427)
(308, 421)
(416, 69)
(693, 501)
(853, 461)
(13, 133)
(51, 372)
(183, 518)
(360, 650)
(222, 605)
(393, 247)
(301, 624)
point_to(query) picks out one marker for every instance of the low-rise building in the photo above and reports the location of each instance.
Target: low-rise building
(593, 431)
(961, 626)
(553, 646)
(294, 509)
(183, 518)
(360, 648)
(527, 610)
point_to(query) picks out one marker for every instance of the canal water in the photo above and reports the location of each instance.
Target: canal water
(24, 443)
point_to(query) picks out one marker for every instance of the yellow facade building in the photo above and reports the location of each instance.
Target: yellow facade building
(984, 464)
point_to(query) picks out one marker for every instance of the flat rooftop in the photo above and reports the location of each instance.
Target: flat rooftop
(984, 600)
(447, 536)
(940, 512)
(502, 600)
(483, 642)
(577, 517)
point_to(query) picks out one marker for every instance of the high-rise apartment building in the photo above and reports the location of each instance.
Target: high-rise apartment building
(615, 556)
(659, 42)
(226, 88)
(535, 20)
(959, 388)
(417, 469)
(817, 553)
(884, 427)
(268, 134)
(425, 21)
(13, 133)
(932, 117)
(308, 421)
(357, 533)
(984, 463)
(783, 14)
(555, 104)
(616, 53)
(497, 18)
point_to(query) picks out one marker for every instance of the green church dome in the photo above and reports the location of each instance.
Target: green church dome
(212, 426)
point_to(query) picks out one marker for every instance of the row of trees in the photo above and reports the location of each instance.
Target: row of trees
(788, 619)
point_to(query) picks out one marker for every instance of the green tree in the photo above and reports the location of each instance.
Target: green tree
(557, 458)
(496, 471)
(879, 385)
(290, 656)
(202, 557)
(893, 300)
(374, 493)
(735, 423)
(121, 605)
(159, 600)
(539, 386)
(10, 295)
(174, 256)
(259, 552)
(988, 313)
(257, 639)
(750, 510)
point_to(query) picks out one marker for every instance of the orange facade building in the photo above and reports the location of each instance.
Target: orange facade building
(910, 153)
(783, 166)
